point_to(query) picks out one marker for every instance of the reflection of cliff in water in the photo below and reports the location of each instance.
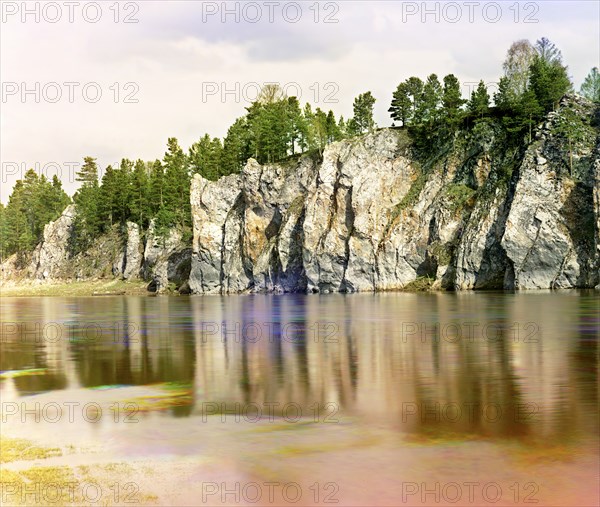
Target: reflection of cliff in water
(497, 365)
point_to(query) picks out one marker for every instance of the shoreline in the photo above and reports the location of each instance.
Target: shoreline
(90, 288)
(117, 287)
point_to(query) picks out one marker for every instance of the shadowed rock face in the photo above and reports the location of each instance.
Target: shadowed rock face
(166, 260)
(368, 217)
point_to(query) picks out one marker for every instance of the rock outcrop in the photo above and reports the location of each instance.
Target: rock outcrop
(120, 253)
(166, 260)
(369, 217)
(129, 260)
(52, 252)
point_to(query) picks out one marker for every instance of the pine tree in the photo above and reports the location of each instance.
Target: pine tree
(572, 127)
(18, 233)
(480, 101)
(33, 203)
(452, 100)
(176, 196)
(87, 223)
(431, 100)
(205, 157)
(157, 187)
(549, 81)
(319, 128)
(236, 147)
(503, 98)
(59, 200)
(332, 129)
(528, 112)
(107, 208)
(363, 114)
(296, 125)
(342, 128)
(139, 196)
(414, 88)
(590, 88)
(401, 108)
(123, 191)
(310, 140)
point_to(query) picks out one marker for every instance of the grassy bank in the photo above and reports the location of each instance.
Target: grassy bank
(87, 288)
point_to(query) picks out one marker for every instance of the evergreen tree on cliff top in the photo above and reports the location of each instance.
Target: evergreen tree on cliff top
(88, 221)
(363, 121)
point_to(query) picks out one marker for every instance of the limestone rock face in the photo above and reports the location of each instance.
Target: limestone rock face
(368, 216)
(333, 226)
(52, 252)
(166, 260)
(133, 256)
(551, 227)
(129, 260)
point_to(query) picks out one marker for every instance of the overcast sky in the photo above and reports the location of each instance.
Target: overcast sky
(190, 67)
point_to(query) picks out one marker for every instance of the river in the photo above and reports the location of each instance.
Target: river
(365, 399)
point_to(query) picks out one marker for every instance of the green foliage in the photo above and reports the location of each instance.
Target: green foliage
(415, 103)
(362, 121)
(480, 101)
(590, 88)
(401, 108)
(88, 220)
(420, 284)
(431, 102)
(452, 101)
(412, 196)
(274, 128)
(140, 196)
(205, 158)
(236, 147)
(504, 99)
(176, 190)
(459, 196)
(549, 81)
(574, 129)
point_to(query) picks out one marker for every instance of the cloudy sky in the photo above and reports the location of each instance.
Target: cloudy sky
(116, 79)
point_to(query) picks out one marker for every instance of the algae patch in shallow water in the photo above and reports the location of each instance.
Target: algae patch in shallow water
(162, 397)
(13, 449)
(22, 373)
(106, 484)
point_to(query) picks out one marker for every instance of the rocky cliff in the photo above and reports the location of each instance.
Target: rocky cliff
(371, 216)
(373, 213)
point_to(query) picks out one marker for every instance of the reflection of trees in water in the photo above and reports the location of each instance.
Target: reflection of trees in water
(464, 384)
(371, 370)
(368, 366)
(29, 340)
(140, 352)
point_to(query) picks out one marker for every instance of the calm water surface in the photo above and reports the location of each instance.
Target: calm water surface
(368, 396)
